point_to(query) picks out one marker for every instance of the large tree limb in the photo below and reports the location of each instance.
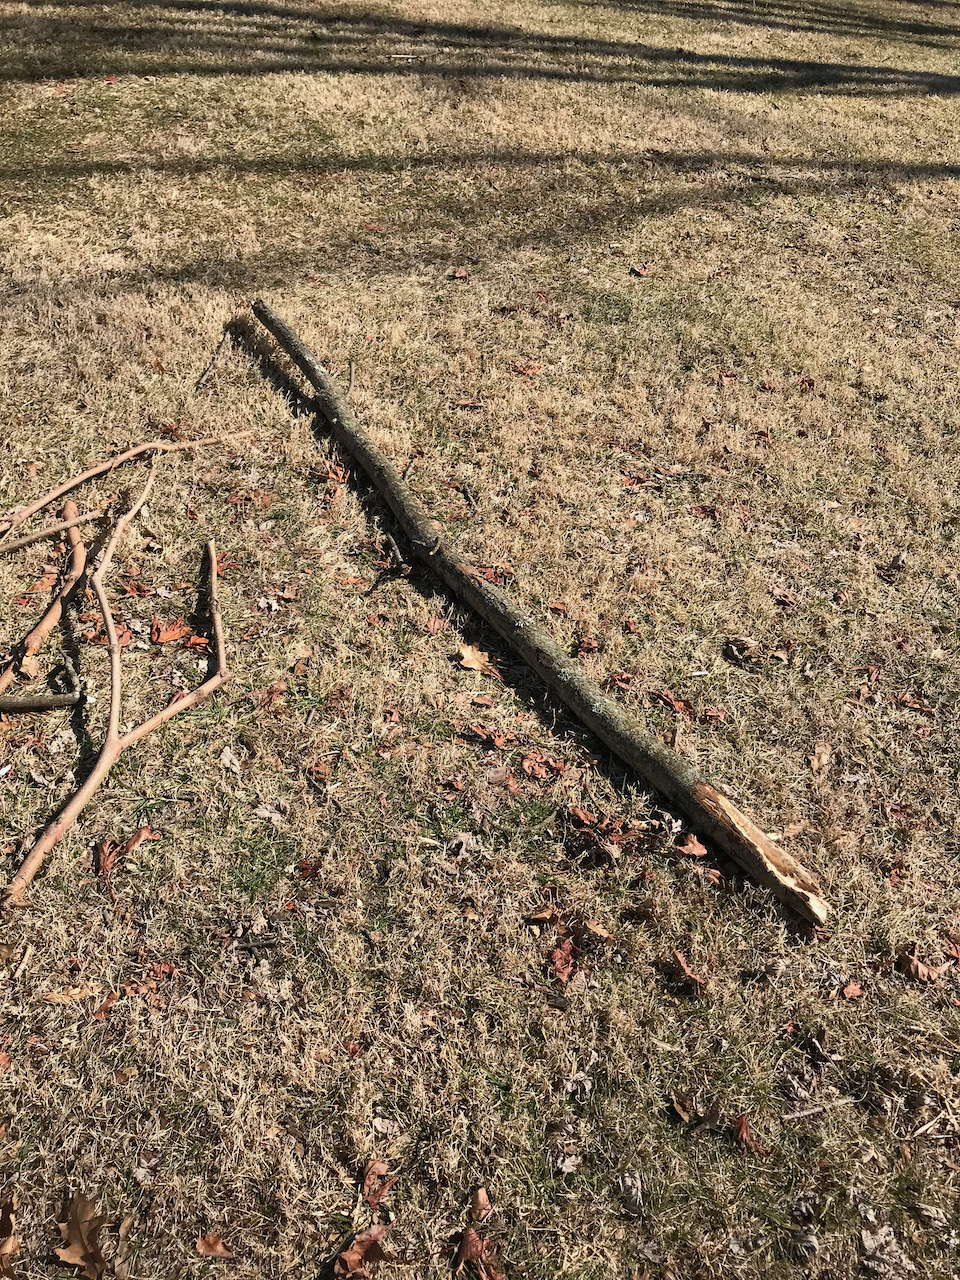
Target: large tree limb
(33, 643)
(116, 743)
(13, 519)
(709, 811)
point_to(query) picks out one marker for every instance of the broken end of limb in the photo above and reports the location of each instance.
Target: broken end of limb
(716, 816)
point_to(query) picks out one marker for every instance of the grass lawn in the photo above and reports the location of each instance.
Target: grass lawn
(658, 305)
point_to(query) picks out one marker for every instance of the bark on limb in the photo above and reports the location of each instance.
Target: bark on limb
(116, 743)
(33, 643)
(13, 519)
(37, 702)
(710, 812)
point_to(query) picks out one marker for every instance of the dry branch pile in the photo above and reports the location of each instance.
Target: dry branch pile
(86, 572)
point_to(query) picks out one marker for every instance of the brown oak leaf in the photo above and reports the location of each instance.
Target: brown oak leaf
(81, 1231)
(474, 659)
(362, 1251)
(211, 1246)
(908, 964)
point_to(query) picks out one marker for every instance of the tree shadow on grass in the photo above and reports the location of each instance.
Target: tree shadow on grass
(201, 37)
(543, 202)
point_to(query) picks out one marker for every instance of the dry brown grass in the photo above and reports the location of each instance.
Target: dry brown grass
(783, 172)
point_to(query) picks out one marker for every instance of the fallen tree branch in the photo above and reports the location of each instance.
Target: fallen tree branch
(13, 519)
(12, 705)
(49, 531)
(33, 643)
(710, 812)
(114, 743)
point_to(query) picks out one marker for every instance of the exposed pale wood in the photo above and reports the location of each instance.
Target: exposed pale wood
(710, 813)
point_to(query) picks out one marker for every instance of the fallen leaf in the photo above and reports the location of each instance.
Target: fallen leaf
(121, 1261)
(781, 596)
(475, 1250)
(211, 1246)
(166, 632)
(631, 1193)
(30, 667)
(433, 626)
(681, 1106)
(70, 995)
(745, 1136)
(596, 929)
(81, 1232)
(557, 606)
(563, 961)
(9, 1244)
(480, 1206)
(101, 1014)
(375, 1183)
(693, 848)
(525, 367)
(458, 273)
(687, 973)
(883, 1256)
(6, 1062)
(821, 756)
(43, 583)
(679, 705)
(794, 829)
(908, 964)
(362, 1251)
(852, 991)
(474, 659)
(713, 715)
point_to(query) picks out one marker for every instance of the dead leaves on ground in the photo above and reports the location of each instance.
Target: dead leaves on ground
(745, 1136)
(365, 1249)
(211, 1246)
(376, 1183)
(474, 659)
(475, 1252)
(108, 854)
(687, 975)
(81, 1236)
(9, 1244)
(909, 965)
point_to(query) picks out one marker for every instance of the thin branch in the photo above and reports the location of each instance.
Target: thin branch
(37, 702)
(13, 519)
(115, 744)
(213, 360)
(33, 642)
(48, 532)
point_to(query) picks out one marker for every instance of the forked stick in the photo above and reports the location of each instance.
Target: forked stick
(34, 642)
(115, 743)
(13, 519)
